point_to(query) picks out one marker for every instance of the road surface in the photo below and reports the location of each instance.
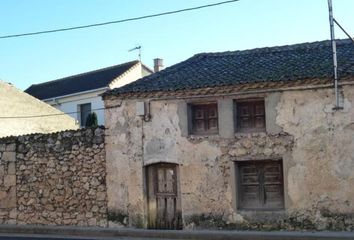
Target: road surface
(43, 237)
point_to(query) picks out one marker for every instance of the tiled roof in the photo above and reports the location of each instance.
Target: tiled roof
(79, 83)
(270, 64)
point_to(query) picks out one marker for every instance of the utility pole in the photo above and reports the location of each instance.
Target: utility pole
(334, 50)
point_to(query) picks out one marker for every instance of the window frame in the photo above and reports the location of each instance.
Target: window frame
(191, 118)
(80, 113)
(238, 186)
(252, 129)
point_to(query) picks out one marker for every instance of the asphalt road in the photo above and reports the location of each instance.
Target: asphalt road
(19, 237)
(37, 238)
(15, 232)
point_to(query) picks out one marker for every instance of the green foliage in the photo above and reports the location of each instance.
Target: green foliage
(118, 217)
(91, 120)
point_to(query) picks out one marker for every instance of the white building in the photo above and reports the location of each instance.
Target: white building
(79, 95)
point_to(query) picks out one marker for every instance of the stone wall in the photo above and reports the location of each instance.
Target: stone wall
(8, 181)
(314, 142)
(54, 179)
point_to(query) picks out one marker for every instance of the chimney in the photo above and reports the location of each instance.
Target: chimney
(158, 64)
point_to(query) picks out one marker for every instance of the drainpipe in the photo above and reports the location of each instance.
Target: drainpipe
(334, 50)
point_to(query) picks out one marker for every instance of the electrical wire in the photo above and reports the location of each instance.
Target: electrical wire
(117, 21)
(54, 114)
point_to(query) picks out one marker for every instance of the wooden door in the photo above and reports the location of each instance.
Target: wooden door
(163, 200)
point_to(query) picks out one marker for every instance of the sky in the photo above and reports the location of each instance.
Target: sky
(245, 24)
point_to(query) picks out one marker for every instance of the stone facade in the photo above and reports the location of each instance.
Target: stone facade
(54, 179)
(313, 141)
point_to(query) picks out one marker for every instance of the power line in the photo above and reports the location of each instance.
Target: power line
(117, 21)
(55, 114)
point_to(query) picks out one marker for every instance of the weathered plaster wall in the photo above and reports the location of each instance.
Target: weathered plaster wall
(321, 178)
(54, 179)
(314, 142)
(124, 170)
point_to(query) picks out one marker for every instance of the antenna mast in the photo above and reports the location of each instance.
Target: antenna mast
(139, 51)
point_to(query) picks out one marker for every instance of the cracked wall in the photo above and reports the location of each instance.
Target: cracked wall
(322, 174)
(314, 142)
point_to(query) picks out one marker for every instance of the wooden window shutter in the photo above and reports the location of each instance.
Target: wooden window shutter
(204, 118)
(250, 116)
(212, 114)
(259, 115)
(260, 185)
(199, 119)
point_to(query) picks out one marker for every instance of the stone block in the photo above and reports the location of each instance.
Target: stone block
(9, 201)
(94, 209)
(80, 217)
(2, 171)
(9, 156)
(22, 167)
(3, 194)
(67, 222)
(3, 213)
(13, 214)
(92, 222)
(103, 223)
(2, 147)
(10, 180)
(11, 147)
(11, 169)
(101, 196)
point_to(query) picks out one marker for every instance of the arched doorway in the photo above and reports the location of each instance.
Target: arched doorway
(164, 208)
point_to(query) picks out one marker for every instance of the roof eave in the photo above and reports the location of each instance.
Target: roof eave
(245, 88)
(76, 93)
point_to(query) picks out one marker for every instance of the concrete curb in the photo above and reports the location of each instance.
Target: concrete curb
(93, 232)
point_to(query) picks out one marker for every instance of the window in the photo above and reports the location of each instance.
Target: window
(85, 110)
(250, 116)
(260, 185)
(204, 118)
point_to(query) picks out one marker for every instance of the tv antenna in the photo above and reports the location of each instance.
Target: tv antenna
(139, 51)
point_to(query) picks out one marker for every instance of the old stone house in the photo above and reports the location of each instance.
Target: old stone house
(243, 139)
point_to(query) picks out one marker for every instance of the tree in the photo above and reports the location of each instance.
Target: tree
(91, 120)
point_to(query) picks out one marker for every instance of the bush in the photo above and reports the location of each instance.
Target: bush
(91, 120)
